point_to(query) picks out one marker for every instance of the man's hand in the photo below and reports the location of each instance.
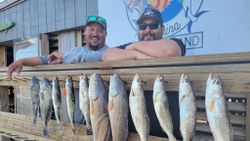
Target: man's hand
(15, 66)
(55, 58)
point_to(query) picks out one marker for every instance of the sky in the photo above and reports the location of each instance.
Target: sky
(1, 1)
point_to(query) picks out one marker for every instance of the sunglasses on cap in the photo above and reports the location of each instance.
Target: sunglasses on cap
(96, 19)
(143, 26)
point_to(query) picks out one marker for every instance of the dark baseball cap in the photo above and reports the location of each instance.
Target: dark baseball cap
(97, 19)
(151, 13)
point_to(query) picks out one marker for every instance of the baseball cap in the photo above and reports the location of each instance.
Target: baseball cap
(151, 13)
(97, 19)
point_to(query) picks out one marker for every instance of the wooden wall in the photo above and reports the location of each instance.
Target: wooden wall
(33, 17)
(4, 99)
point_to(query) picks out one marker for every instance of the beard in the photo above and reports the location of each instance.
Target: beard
(147, 37)
(95, 44)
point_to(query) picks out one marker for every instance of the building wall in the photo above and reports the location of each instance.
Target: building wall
(33, 17)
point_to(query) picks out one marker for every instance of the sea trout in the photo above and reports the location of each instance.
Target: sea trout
(118, 109)
(84, 101)
(138, 108)
(217, 110)
(161, 107)
(70, 101)
(45, 103)
(98, 109)
(187, 106)
(56, 98)
(34, 92)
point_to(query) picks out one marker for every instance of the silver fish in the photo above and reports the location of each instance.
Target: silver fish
(187, 106)
(56, 98)
(98, 109)
(70, 101)
(161, 107)
(45, 103)
(138, 108)
(84, 101)
(34, 92)
(118, 109)
(217, 110)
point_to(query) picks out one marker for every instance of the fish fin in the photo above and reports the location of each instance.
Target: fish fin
(132, 93)
(182, 97)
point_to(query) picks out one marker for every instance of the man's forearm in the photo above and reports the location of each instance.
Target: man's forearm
(32, 61)
(157, 48)
(118, 54)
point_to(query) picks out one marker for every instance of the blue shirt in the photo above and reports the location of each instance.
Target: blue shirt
(79, 55)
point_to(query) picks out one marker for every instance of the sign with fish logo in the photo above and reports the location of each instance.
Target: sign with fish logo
(179, 16)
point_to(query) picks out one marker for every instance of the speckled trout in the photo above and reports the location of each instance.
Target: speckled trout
(45, 103)
(118, 109)
(161, 107)
(70, 101)
(217, 110)
(84, 101)
(98, 108)
(138, 108)
(34, 93)
(56, 98)
(187, 106)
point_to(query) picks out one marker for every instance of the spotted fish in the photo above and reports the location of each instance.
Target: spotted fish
(98, 109)
(187, 106)
(217, 110)
(45, 103)
(138, 108)
(118, 109)
(84, 101)
(161, 107)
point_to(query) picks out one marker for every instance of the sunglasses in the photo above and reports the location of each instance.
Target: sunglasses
(152, 26)
(96, 18)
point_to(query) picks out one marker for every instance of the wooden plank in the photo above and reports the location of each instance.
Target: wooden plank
(248, 118)
(3, 55)
(171, 62)
(70, 18)
(13, 18)
(34, 18)
(237, 131)
(26, 19)
(44, 44)
(19, 21)
(227, 95)
(92, 8)
(60, 14)
(42, 19)
(64, 132)
(235, 77)
(51, 15)
(80, 14)
(239, 120)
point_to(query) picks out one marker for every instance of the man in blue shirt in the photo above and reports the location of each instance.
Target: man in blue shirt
(95, 35)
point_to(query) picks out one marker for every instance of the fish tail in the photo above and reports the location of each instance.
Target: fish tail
(171, 137)
(45, 131)
(89, 131)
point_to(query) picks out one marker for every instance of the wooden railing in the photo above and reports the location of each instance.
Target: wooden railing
(234, 70)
